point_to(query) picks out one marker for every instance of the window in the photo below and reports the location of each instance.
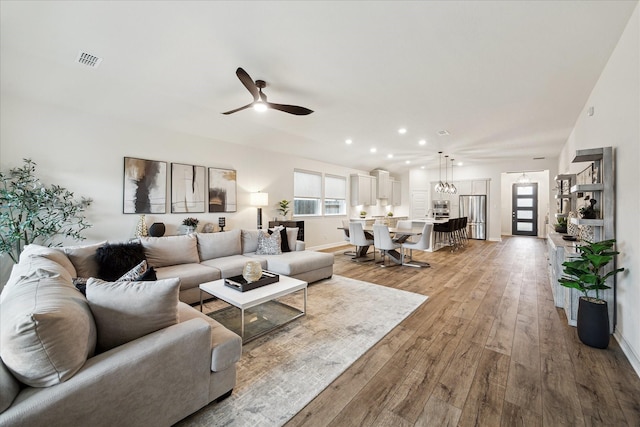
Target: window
(335, 195)
(307, 193)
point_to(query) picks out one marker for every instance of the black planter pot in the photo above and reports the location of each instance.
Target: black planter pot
(157, 229)
(593, 323)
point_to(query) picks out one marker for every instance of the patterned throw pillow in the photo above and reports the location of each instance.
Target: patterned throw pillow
(134, 274)
(269, 244)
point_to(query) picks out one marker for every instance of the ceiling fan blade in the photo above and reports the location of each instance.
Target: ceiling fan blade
(238, 109)
(248, 82)
(291, 109)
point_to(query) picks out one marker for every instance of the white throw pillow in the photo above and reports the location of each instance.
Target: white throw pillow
(292, 236)
(125, 311)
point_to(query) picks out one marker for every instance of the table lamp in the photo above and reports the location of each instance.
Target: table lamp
(259, 200)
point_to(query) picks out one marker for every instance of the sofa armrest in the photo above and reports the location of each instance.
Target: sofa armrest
(157, 379)
(300, 245)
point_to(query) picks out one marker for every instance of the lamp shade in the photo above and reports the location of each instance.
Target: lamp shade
(259, 199)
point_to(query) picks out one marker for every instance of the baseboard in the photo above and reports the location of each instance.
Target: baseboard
(628, 351)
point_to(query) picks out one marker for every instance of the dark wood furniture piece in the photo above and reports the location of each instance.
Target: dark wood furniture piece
(290, 224)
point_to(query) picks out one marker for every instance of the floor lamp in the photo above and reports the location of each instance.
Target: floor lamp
(259, 200)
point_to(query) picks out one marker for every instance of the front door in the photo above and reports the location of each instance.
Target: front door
(524, 209)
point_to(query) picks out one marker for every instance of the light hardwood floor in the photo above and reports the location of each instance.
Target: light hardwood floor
(488, 348)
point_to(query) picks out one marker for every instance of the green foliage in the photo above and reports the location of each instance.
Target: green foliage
(561, 220)
(32, 212)
(191, 222)
(283, 207)
(585, 273)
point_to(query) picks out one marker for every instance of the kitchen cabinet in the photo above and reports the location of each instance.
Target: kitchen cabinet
(383, 186)
(396, 192)
(362, 190)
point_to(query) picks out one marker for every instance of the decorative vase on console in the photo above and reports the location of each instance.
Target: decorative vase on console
(157, 229)
(252, 271)
(141, 228)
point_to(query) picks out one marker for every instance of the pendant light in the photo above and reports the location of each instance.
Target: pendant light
(452, 188)
(440, 185)
(446, 182)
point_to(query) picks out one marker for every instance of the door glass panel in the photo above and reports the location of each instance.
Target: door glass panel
(525, 191)
(524, 226)
(525, 203)
(525, 214)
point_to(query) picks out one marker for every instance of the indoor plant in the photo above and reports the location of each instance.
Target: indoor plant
(561, 224)
(363, 214)
(32, 212)
(283, 208)
(587, 273)
(191, 224)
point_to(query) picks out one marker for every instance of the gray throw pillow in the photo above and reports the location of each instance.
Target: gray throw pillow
(125, 311)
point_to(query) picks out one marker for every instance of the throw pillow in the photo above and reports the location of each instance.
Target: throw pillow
(284, 241)
(115, 259)
(292, 236)
(135, 273)
(125, 311)
(148, 276)
(269, 244)
(83, 259)
(47, 331)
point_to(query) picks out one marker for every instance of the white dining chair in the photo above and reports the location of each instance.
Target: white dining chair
(361, 242)
(423, 244)
(403, 224)
(345, 229)
(386, 246)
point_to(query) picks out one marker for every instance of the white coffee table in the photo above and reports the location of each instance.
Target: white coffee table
(245, 300)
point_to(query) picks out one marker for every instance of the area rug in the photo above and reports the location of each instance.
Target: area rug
(281, 372)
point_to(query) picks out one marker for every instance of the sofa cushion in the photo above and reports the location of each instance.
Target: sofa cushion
(47, 331)
(268, 244)
(83, 258)
(9, 385)
(125, 311)
(230, 266)
(293, 263)
(216, 245)
(249, 241)
(284, 242)
(292, 236)
(115, 259)
(191, 275)
(170, 250)
(54, 254)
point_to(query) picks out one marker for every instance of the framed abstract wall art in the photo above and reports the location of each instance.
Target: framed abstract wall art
(145, 186)
(222, 190)
(187, 188)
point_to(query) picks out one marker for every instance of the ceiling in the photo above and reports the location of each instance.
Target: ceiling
(506, 79)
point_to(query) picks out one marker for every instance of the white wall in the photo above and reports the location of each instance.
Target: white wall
(616, 122)
(419, 179)
(84, 153)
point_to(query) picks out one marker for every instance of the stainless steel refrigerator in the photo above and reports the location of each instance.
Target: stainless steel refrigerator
(475, 209)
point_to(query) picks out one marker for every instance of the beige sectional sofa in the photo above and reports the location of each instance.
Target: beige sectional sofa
(202, 257)
(127, 354)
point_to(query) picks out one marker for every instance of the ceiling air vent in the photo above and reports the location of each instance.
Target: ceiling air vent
(538, 158)
(443, 133)
(87, 59)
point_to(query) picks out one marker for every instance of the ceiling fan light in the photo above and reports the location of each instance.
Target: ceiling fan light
(260, 106)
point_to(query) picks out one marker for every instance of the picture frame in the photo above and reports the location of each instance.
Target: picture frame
(188, 186)
(222, 195)
(144, 186)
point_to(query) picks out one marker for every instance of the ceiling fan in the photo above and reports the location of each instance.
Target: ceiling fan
(260, 99)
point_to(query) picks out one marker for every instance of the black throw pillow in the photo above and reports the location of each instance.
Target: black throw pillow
(116, 259)
(148, 276)
(284, 242)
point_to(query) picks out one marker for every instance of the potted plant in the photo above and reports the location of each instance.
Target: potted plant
(586, 273)
(191, 224)
(561, 225)
(589, 212)
(363, 214)
(283, 208)
(390, 214)
(32, 212)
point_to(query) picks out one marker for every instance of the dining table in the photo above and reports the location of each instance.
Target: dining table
(399, 235)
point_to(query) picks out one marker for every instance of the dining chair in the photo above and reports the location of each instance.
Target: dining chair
(345, 229)
(361, 242)
(423, 244)
(403, 224)
(386, 246)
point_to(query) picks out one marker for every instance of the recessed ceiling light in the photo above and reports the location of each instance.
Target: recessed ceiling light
(422, 142)
(408, 161)
(373, 150)
(460, 163)
(422, 167)
(443, 133)
(389, 156)
(348, 141)
(402, 131)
